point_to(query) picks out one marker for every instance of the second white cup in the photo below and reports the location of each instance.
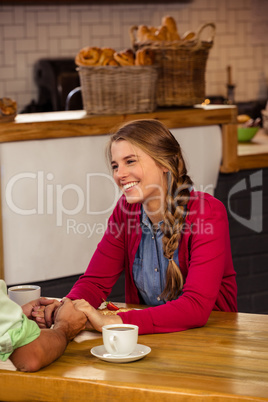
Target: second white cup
(120, 339)
(23, 294)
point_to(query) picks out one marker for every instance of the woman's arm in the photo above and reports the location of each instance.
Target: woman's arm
(210, 265)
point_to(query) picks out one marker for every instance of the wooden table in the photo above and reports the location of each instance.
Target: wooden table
(227, 360)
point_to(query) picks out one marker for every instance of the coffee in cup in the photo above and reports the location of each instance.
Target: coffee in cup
(23, 294)
(120, 339)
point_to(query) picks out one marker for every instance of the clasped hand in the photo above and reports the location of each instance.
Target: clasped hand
(36, 310)
(44, 312)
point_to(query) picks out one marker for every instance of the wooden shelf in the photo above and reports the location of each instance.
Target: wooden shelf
(76, 123)
(236, 156)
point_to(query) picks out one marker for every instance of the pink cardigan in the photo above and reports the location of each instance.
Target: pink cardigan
(204, 257)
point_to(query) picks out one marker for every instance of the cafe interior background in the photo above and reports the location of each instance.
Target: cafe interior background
(31, 32)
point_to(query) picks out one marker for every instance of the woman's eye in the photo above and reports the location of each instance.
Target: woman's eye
(130, 161)
(114, 167)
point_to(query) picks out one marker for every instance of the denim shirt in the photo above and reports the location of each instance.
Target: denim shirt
(150, 265)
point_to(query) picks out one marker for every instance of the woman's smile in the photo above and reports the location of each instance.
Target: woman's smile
(129, 186)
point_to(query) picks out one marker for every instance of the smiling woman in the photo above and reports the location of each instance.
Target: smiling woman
(163, 188)
(172, 241)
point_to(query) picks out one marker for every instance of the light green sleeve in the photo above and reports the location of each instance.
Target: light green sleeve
(15, 328)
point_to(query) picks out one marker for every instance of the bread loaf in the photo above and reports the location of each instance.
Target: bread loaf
(171, 26)
(166, 32)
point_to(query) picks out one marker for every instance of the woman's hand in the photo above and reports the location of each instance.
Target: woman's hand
(96, 320)
(44, 313)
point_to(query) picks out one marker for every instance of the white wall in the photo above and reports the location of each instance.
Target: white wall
(28, 33)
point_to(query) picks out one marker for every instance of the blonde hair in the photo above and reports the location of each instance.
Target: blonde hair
(154, 138)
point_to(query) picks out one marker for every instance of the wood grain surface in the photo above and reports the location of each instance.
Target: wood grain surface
(227, 360)
(72, 124)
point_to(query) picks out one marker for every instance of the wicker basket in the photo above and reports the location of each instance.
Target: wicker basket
(182, 66)
(264, 114)
(118, 90)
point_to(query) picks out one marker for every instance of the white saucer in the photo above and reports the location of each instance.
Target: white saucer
(139, 352)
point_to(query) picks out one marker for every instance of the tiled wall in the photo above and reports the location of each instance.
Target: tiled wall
(28, 33)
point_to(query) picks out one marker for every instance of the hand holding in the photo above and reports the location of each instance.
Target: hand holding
(68, 319)
(43, 313)
(36, 308)
(96, 320)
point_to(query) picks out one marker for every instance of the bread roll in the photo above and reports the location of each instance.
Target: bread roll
(8, 107)
(113, 62)
(144, 57)
(107, 54)
(243, 118)
(88, 56)
(125, 58)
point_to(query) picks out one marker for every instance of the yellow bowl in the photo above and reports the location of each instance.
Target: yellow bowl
(246, 134)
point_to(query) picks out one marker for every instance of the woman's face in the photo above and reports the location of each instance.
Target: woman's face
(138, 175)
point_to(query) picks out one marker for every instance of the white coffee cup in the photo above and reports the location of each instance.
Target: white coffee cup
(23, 294)
(120, 339)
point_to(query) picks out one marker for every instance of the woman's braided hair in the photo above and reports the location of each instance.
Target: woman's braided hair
(154, 138)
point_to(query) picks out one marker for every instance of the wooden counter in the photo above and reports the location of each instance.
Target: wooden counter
(253, 154)
(76, 123)
(226, 360)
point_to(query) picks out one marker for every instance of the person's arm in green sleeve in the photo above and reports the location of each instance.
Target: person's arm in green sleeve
(51, 343)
